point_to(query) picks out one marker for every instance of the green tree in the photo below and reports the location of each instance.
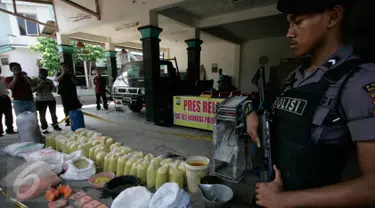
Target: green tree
(48, 48)
(50, 53)
(88, 54)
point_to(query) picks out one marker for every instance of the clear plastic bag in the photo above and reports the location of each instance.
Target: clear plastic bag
(99, 159)
(75, 172)
(107, 159)
(113, 162)
(152, 171)
(134, 168)
(151, 174)
(27, 127)
(121, 165)
(139, 155)
(176, 176)
(22, 147)
(128, 165)
(80, 130)
(113, 146)
(30, 180)
(162, 176)
(157, 160)
(149, 157)
(142, 172)
(166, 161)
(126, 150)
(53, 158)
(182, 167)
(92, 152)
(134, 197)
(177, 163)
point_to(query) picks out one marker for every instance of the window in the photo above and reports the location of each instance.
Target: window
(4, 61)
(28, 28)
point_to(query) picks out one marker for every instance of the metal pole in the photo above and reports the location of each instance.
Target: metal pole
(14, 7)
(54, 13)
(97, 9)
(26, 18)
(77, 6)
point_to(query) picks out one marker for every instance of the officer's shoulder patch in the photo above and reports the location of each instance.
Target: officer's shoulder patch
(370, 88)
(372, 95)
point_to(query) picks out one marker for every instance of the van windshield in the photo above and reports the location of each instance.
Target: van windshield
(133, 70)
(136, 70)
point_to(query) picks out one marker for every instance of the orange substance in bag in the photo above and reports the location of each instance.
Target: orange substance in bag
(82, 201)
(37, 188)
(77, 196)
(92, 204)
(65, 190)
(52, 194)
(58, 204)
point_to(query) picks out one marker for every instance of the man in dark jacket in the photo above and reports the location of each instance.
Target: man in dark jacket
(100, 84)
(68, 91)
(5, 108)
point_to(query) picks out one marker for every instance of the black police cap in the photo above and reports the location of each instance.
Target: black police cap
(306, 6)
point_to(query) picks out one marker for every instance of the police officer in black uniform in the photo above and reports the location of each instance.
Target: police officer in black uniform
(326, 106)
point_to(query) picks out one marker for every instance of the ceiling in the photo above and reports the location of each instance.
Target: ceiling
(172, 33)
(237, 32)
(265, 27)
(208, 8)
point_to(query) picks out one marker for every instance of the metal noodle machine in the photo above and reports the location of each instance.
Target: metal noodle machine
(230, 160)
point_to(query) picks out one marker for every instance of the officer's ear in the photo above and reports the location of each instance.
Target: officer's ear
(336, 15)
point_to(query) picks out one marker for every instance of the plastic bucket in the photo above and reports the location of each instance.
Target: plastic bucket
(77, 120)
(196, 169)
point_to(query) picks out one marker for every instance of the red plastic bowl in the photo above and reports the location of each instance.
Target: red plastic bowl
(110, 176)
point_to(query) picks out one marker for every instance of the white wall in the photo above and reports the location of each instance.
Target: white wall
(274, 48)
(223, 53)
(179, 51)
(43, 15)
(27, 59)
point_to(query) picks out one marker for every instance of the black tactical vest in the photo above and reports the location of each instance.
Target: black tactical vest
(304, 164)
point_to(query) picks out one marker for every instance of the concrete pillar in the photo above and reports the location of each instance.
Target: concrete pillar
(194, 55)
(66, 51)
(151, 63)
(110, 54)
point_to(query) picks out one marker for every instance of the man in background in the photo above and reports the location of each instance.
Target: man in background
(44, 98)
(21, 90)
(221, 79)
(5, 108)
(100, 84)
(68, 91)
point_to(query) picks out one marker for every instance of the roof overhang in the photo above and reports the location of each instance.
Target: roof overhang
(6, 48)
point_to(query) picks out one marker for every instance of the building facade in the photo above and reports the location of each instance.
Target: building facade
(17, 34)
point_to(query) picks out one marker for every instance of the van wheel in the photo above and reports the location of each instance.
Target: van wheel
(136, 108)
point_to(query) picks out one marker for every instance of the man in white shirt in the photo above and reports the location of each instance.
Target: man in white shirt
(5, 108)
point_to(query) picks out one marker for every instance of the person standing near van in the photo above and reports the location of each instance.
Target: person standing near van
(100, 84)
(5, 108)
(44, 98)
